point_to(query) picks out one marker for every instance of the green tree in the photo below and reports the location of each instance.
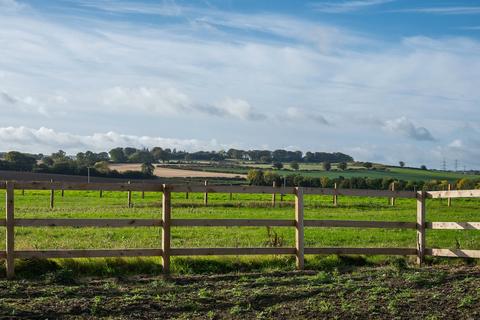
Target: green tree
(269, 177)
(141, 156)
(102, 166)
(401, 163)
(278, 165)
(255, 177)
(423, 167)
(342, 165)
(324, 181)
(326, 165)
(148, 168)
(294, 165)
(20, 161)
(117, 155)
(368, 165)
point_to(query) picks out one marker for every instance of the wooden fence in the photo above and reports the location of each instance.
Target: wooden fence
(166, 222)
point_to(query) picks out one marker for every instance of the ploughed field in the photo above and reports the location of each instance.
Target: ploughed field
(88, 204)
(389, 292)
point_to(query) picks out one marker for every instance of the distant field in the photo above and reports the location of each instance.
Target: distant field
(175, 173)
(316, 170)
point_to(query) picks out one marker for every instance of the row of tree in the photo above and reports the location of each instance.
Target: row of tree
(59, 162)
(267, 178)
(157, 154)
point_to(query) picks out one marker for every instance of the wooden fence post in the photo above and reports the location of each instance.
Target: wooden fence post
(23, 192)
(205, 196)
(166, 215)
(143, 194)
(186, 193)
(335, 196)
(63, 193)
(449, 200)
(101, 193)
(274, 195)
(421, 197)
(52, 196)
(10, 231)
(299, 230)
(129, 197)
(392, 199)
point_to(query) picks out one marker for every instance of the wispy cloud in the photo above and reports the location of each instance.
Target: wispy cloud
(46, 140)
(405, 127)
(163, 8)
(346, 6)
(442, 10)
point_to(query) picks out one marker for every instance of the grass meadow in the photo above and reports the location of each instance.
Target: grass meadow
(88, 204)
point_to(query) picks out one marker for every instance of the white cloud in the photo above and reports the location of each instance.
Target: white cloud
(403, 126)
(236, 108)
(297, 114)
(11, 6)
(45, 140)
(346, 6)
(447, 10)
(157, 100)
(62, 71)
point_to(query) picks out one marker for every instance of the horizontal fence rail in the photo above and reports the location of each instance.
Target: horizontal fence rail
(166, 222)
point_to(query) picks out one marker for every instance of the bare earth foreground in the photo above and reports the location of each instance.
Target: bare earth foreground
(176, 173)
(391, 292)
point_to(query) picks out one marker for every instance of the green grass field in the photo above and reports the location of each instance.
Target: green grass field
(77, 204)
(316, 170)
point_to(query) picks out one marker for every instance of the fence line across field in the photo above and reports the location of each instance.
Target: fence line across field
(166, 222)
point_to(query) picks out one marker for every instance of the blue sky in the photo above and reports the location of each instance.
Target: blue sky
(382, 80)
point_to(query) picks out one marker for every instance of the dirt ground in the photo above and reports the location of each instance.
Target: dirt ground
(175, 173)
(365, 293)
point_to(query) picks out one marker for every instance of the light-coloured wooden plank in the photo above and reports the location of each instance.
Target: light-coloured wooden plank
(129, 197)
(454, 194)
(460, 253)
(421, 214)
(231, 223)
(449, 200)
(52, 197)
(299, 229)
(335, 195)
(360, 193)
(87, 253)
(274, 195)
(360, 224)
(229, 189)
(10, 229)
(364, 251)
(453, 225)
(166, 217)
(58, 185)
(205, 194)
(112, 223)
(229, 251)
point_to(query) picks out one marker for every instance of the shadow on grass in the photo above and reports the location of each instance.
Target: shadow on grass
(66, 270)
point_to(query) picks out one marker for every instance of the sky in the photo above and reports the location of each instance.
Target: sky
(381, 80)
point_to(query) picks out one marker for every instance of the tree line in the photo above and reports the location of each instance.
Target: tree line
(59, 162)
(267, 178)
